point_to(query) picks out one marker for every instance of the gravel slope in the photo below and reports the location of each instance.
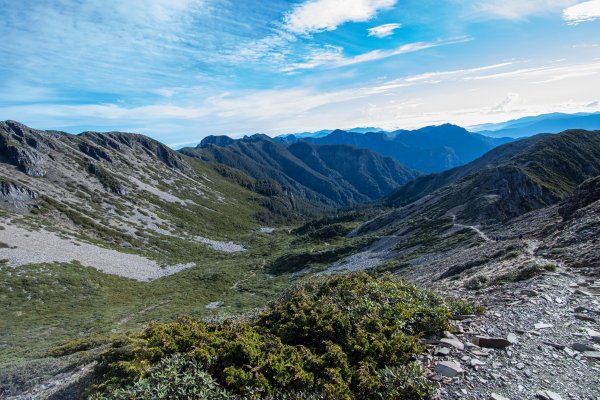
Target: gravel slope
(38, 247)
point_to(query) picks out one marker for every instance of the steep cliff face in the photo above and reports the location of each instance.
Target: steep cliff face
(22, 147)
(585, 194)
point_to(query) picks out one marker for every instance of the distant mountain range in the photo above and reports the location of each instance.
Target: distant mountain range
(322, 175)
(293, 137)
(429, 149)
(510, 180)
(545, 123)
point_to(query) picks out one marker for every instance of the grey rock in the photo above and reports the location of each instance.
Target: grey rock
(543, 325)
(475, 362)
(449, 369)
(592, 354)
(454, 343)
(582, 347)
(555, 345)
(491, 342)
(512, 338)
(585, 317)
(495, 396)
(548, 395)
(442, 351)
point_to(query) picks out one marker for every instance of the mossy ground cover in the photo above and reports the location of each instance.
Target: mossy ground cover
(343, 337)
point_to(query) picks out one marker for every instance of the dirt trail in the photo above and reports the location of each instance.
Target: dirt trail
(472, 227)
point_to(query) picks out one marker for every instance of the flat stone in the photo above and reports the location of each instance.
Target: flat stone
(491, 342)
(495, 396)
(594, 289)
(543, 325)
(548, 395)
(528, 292)
(570, 352)
(512, 338)
(475, 362)
(555, 345)
(442, 351)
(449, 369)
(454, 343)
(594, 335)
(582, 347)
(592, 354)
(583, 292)
(585, 317)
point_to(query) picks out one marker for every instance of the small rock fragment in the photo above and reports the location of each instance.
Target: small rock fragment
(555, 345)
(454, 343)
(592, 354)
(449, 369)
(548, 395)
(475, 362)
(495, 396)
(585, 317)
(542, 325)
(491, 342)
(582, 347)
(442, 351)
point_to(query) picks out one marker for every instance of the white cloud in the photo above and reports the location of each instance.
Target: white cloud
(583, 12)
(391, 103)
(326, 15)
(514, 9)
(382, 31)
(165, 92)
(435, 76)
(333, 57)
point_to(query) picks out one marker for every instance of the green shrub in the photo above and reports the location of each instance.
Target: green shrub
(524, 273)
(340, 337)
(176, 377)
(463, 307)
(405, 382)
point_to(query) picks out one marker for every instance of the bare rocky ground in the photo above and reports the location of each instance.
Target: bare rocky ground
(25, 247)
(548, 333)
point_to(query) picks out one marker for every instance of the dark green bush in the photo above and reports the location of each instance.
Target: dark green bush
(343, 337)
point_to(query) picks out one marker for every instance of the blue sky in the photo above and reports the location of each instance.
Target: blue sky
(178, 70)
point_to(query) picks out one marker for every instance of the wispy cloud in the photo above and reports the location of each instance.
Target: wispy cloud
(583, 12)
(514, 9)
(382, 31)
(326, 15)
(402, 102)
(333, 57)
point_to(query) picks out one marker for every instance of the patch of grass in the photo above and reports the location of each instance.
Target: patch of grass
(524, 273)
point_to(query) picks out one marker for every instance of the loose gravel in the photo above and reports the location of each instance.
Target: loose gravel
(40, 247)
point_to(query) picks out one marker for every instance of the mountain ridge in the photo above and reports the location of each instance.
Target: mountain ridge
(308, 170)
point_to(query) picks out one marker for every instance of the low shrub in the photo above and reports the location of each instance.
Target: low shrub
(176, 377)
(341, 337)
(524, 273)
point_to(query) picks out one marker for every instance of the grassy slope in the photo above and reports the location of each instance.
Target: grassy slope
(42, 306)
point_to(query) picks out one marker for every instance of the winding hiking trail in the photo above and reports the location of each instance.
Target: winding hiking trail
(472, 227)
